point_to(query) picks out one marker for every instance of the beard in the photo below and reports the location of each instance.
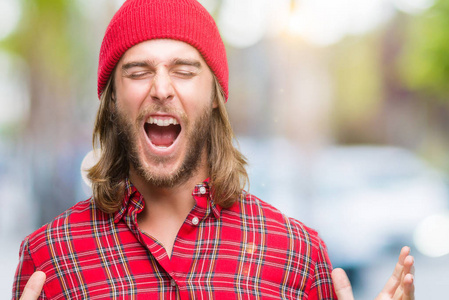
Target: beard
(198, 137)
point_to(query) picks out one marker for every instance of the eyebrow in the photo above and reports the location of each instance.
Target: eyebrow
(136, 64)
(175, 62)
(187, 62)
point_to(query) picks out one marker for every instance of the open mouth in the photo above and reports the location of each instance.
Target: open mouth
(162, 130)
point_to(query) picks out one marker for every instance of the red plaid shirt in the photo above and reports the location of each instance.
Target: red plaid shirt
(249, 251)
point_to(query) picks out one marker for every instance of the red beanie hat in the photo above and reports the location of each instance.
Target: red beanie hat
(184, 20)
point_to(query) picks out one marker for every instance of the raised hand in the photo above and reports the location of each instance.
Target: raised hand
(400, 286)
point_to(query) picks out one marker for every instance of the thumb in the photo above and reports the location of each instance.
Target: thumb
(342, 285)
(34, 286)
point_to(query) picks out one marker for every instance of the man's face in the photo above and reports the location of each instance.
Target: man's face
(163, 94)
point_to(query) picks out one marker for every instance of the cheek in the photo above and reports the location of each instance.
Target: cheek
(130, 98)
(134, 91)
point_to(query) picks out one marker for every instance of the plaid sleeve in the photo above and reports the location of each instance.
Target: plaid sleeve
(24, 270)
(322, 287)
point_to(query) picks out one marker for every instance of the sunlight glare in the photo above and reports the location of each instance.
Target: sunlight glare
(324, 22)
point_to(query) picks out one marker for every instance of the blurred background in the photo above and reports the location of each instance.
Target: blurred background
(341, 106)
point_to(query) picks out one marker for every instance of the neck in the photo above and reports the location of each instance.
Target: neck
(166, 208)
(176, 201)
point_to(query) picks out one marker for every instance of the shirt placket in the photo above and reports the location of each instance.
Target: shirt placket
(160, 254)
(185, 254)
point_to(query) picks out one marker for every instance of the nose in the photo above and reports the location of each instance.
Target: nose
(162, 87)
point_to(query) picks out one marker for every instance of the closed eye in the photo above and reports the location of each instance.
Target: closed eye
(138, 75)
(186, 74)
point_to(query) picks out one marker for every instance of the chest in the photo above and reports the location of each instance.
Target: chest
(210, 260)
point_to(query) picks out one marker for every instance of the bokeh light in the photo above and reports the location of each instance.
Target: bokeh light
(243, 22)
(9, 16)
(432, 235)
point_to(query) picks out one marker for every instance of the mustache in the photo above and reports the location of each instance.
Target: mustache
(157, 108)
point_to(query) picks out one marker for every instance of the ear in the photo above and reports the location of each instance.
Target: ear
(113, 96)
(113, 76)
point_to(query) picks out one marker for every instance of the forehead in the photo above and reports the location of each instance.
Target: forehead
(161, 50)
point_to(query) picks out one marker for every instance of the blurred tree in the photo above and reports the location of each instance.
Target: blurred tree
(372, 104)
(359, 89)
(424, 69)
(424, 63)
(43, 39)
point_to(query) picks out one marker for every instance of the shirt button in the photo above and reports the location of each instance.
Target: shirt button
(202, 190)
(195, 221)
(173, 282)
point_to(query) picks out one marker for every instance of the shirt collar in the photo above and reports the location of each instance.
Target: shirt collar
(133, 200)
(203, 195)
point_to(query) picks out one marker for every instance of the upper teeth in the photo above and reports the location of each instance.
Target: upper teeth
(162, 122)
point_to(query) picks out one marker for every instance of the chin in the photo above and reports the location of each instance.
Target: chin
(163, 175)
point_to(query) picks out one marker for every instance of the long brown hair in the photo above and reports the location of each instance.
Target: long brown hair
(226, 163)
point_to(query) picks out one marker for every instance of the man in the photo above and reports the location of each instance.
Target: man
(169, 217)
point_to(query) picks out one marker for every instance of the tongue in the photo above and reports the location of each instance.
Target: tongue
(162, 136)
